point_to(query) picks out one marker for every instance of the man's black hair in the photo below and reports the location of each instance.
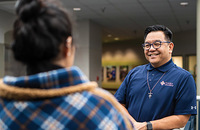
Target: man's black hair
(168, 33)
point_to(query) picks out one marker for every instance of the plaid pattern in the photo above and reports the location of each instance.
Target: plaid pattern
(52, 79)
(79, 110)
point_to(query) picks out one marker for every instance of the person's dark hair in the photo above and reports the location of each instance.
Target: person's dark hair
(168, 33)
(39, 30)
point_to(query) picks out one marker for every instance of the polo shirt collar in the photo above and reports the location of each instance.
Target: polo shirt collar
(167, 66)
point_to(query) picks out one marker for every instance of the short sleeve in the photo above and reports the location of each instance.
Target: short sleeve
(121, 93)
(186, 97)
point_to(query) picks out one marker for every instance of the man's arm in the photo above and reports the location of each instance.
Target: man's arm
(130, 117)
(170, 122)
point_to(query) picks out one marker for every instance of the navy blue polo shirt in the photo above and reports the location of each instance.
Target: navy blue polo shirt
(174, 94)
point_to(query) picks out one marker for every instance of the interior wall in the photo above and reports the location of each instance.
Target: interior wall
(6, 24)
(89, 49)
(95, 52)
(12, 67)
(117, 51)
(2, 55)
(185, 43)
(81, 40)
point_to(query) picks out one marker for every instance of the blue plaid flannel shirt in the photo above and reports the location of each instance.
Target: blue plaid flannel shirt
(78, 110)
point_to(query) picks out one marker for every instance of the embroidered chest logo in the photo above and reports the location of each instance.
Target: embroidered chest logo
(169, 84)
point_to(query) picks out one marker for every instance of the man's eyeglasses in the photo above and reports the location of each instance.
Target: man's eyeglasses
(155, 44)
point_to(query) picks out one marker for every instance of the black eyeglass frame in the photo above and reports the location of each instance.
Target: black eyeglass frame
(152, 44)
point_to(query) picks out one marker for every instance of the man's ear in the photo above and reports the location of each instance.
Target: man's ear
(171, 47)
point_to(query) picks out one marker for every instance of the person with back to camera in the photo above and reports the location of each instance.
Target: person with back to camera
(158, 95)
(55, 94)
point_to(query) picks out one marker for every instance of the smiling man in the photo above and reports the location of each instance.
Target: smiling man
(158, 95)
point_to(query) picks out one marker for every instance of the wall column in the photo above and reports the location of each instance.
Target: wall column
(88, 39)
(198, 47)
(6, 24)
(198, 56)
(2, 61)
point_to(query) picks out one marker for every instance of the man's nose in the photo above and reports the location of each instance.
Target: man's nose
(151, 47)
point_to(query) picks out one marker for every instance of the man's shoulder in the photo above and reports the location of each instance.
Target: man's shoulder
(138, 69)
(181, 71)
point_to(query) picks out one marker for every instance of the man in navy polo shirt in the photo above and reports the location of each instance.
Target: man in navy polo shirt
(158, 95)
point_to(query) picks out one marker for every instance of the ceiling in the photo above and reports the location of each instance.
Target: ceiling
(127, 19)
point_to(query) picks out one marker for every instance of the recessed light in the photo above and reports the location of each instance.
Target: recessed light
(116, 38)
(184, 3)
(77, 9)
(109, 35)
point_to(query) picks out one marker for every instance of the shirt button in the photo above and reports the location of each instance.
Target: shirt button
(150, 80)
(152, 74)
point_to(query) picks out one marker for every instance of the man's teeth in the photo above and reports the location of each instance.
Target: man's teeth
(153, 54)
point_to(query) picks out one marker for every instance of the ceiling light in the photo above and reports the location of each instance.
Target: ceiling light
(109, 35)
(184, 3)
(77, 9)
(116, 38)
